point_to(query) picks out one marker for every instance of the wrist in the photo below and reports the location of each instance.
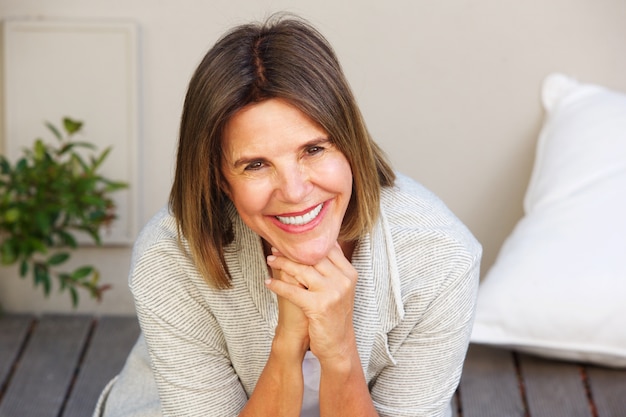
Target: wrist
(289, 347)
(343, 358)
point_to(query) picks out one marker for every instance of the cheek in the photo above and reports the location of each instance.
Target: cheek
(337, 172)
(249, 199)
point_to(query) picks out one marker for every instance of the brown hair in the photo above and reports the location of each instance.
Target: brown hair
(286, 58)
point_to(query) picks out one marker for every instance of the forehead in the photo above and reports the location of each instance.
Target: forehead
(270, 123)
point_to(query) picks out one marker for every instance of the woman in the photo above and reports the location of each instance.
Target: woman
(293, 273)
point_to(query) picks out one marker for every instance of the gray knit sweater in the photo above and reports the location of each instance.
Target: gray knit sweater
(418, 275)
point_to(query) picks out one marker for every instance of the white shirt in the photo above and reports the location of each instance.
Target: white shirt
(311, 399)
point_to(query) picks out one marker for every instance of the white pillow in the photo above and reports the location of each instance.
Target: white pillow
(558, 286)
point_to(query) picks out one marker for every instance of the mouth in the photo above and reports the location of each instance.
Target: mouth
(302, 219)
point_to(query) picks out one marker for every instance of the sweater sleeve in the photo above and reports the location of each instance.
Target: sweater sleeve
(188, 353)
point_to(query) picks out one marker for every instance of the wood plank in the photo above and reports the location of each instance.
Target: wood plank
(41, 380)
(608, 390)
(111, 342)
(554, 388)
(489, 384)
(13, 332)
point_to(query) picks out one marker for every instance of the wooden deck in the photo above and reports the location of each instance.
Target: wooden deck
(57, 365)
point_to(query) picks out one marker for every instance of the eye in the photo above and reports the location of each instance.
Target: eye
(254, 166)
(315, 149)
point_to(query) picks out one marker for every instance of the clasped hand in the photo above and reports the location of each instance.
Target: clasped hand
(315, 302)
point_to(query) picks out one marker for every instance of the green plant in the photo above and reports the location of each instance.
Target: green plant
(52, 193)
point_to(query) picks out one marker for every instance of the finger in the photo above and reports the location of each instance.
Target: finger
(283, 275)
(339, 260)
(313, 278)
(334, 265)
(288, 266)
(290, 292)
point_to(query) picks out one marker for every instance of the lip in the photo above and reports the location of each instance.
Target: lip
(305, 227)
(297, 213)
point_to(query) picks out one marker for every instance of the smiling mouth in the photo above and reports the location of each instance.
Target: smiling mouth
(303, 219)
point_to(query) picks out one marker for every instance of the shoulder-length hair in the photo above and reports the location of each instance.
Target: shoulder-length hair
(286, 58)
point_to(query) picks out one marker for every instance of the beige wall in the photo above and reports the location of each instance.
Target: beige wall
(449, 88)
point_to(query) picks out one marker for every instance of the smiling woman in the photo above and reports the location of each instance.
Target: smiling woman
(293, 273)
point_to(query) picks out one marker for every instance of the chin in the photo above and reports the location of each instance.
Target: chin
(307, 255)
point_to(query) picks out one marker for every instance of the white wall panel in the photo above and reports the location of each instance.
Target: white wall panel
(87, 70)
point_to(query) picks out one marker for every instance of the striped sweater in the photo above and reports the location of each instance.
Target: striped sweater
(417, 280)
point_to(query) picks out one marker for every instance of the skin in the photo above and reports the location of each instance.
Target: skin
(278, 162)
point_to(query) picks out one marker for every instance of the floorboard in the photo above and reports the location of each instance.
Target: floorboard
(41, 379)
(112, 340)
(554, 388)
(489, 385)
(608, 390)
(13, 332)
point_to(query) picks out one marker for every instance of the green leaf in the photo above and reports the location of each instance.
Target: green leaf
(35, 244)
(87, 145)
(67, 238)
(65, 148)
(7, 253)
(96, 237)
(21, 166)
(93, 200)
(42, 222)
(12, 215)
(95, 278)
(54, 130)
(114, 185)
(58, 258)
(71, 126)
(82, 272)
(78, 161)
(42, 276)
(23, 268)
(74, 295)
(5, 166)
(101, 158)
(40, 150)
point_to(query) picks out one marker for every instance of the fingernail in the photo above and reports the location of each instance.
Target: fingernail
(274, 250)
(268, 281)
(271, 258)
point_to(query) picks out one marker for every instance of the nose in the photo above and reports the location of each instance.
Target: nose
(294, 184)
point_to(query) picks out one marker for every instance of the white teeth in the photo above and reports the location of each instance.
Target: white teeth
(301, 220)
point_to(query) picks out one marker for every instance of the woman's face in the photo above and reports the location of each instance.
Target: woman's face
(288, 181)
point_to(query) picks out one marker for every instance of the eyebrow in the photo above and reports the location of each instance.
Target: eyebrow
(313, 142)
